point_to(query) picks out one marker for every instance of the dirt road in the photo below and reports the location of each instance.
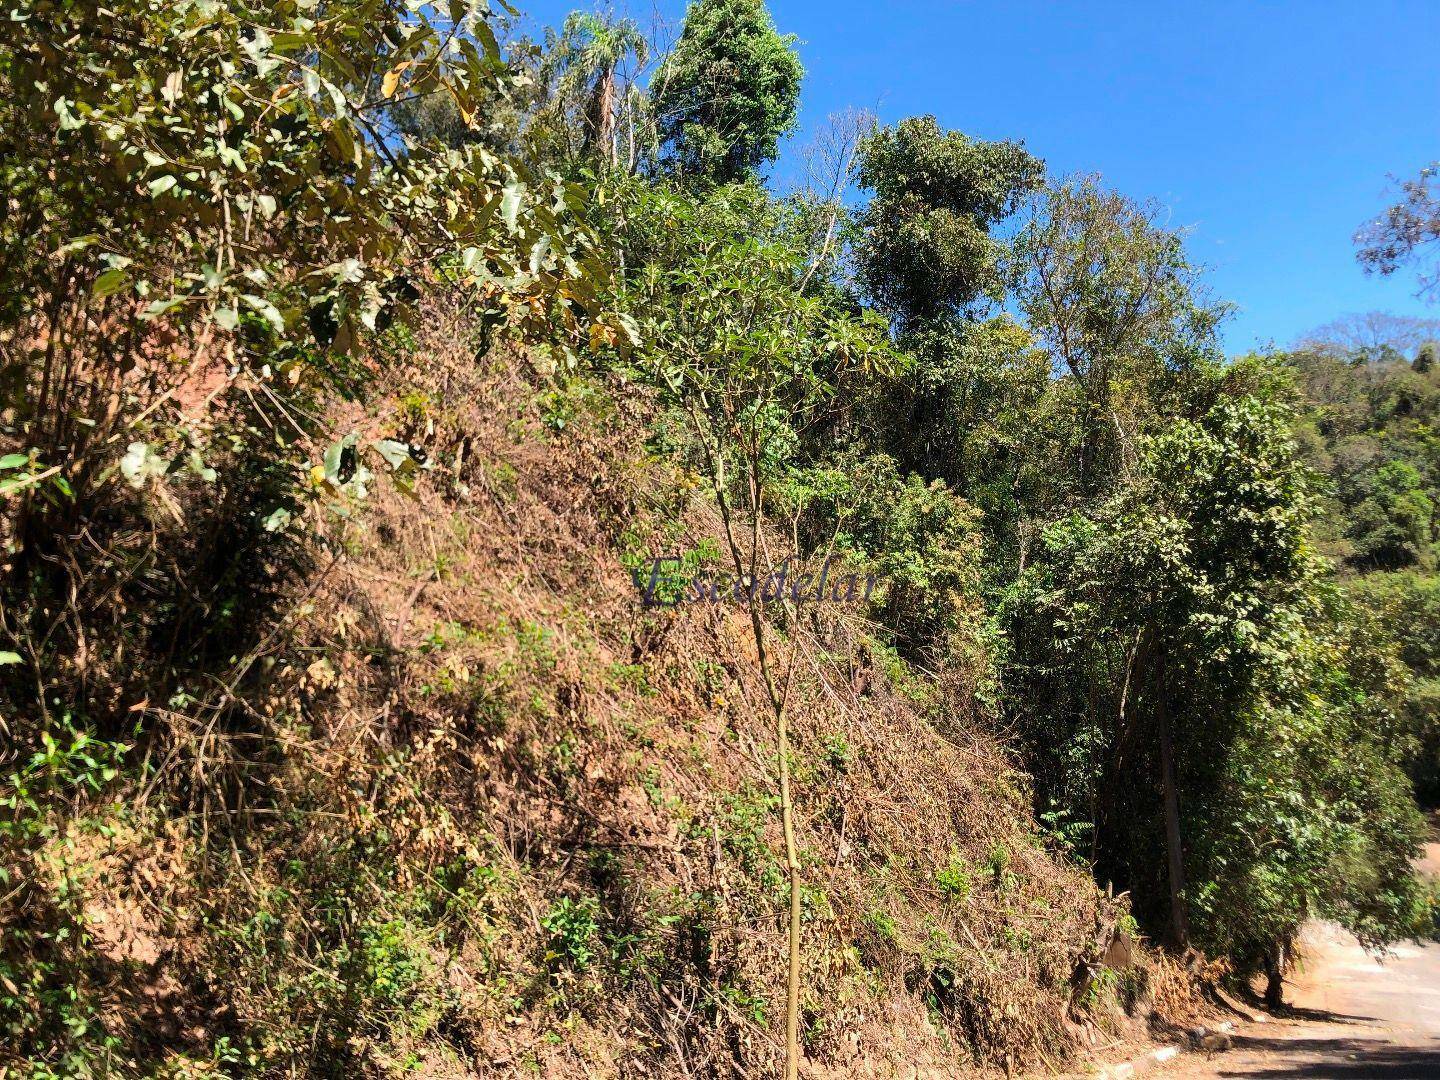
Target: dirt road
(1357, 1017)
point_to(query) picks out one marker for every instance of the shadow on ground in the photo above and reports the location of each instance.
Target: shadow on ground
(1341, 1059)
(1320, 1016)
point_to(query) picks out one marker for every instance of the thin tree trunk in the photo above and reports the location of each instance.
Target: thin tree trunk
(777, 697)
(1179, 928)
(630, 134)
(792, 865)
(787, 805)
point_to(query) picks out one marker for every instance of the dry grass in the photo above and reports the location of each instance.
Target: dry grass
(483, 815)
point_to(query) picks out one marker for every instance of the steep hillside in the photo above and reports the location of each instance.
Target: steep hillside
(468, 809)
(368, 374)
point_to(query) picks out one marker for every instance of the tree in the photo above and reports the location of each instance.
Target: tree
(1404, 612)
(1181, 629)
(829, 167)
(586, 61)
(1372, 337)
(748, 356)
(728, 92)
(1404, 232)
(228, 189)
(977, 408)
(1425, 356)
(1111, 294)
(1394, 526)
(925, 255)
(1371, 432)
(1309, 814)
(494, 114)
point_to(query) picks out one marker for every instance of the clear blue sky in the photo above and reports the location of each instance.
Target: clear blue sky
(1270, 129)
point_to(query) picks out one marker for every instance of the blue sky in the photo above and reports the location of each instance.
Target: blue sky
(1269, 129)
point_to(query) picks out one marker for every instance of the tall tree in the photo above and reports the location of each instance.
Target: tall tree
(1110, 292)
(1182, 629)
(586, 62)
(926, 254)
(728, 92)
(749, 356)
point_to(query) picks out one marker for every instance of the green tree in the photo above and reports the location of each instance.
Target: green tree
(586, 62)
(1176, 629)
(1425, 356)
(1404, 613)
(1309, 813)
(925, 254)
(1112, 296)
(1394, 525)
(748, 356)
(728, 92)
(922, 540)
(227, 183)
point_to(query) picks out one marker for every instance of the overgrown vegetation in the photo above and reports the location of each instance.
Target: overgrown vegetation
(356, 356)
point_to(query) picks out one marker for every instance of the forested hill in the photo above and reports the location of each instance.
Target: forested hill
(491, 585)
(1370, 428)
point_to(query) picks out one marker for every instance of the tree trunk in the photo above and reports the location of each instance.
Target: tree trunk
(792, 867)
(600, 123)
(777, 697)
(1276, 962)
(1179, 928)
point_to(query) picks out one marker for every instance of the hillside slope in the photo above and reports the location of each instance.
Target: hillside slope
(467, 809)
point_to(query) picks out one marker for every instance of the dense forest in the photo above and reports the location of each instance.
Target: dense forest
(369, 373)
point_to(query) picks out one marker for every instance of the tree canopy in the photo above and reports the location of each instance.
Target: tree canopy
(728, 92)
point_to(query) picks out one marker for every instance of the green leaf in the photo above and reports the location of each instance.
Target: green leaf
(510, 205)
(276, 520)
(80, 243)
(156, 308)
(538, 253)
(68, 120)
(266, 310)
(161, 184)
(230, 156)
(11, 658)
(487, 39)
(14, 461)
(335, 455)
(109, 283)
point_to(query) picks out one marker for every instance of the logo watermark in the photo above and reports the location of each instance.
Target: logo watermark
(666, 583)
